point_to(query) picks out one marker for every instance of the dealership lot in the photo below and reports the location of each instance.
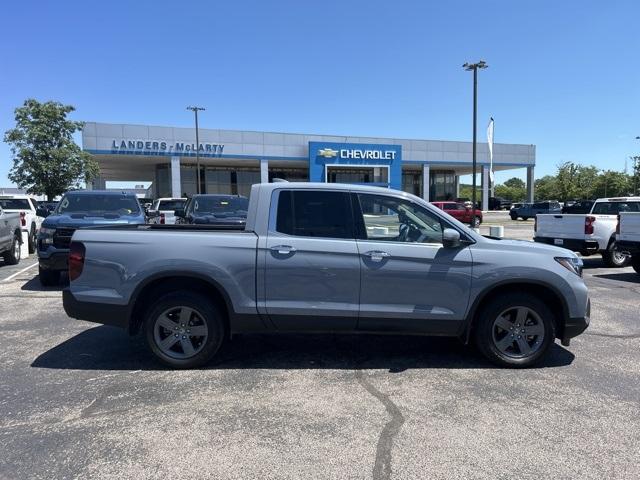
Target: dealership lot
(82, 400)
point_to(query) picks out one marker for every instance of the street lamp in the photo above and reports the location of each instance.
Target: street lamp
(474, 67)
(195, 111)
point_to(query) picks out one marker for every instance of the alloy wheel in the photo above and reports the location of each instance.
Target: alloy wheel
(180, 332)
(518, 332)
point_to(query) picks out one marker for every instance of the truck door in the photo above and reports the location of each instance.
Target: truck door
(409, 282)
(312, 269)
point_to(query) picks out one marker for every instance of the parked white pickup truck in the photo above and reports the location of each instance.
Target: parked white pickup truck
(590, 233)
(162, 211)
(628, 237)
(27, 207)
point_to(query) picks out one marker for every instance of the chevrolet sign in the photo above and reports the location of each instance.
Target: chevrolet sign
(327, 152)
(368, 154)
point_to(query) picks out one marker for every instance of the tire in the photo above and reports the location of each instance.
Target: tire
(524, 350)
(514, 217)
(32, 239)
(163, 323)
(612, 258)
(635, 263)
(12, 256)
(525, 218)
(476, 221)
(48, 278)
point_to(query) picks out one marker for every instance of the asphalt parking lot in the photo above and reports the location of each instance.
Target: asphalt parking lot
(79, 400)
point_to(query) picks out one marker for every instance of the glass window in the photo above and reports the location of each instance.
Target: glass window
(15, 204)
(412, 182)
(169, 204)
(97, 204)
(450, 206)
(314, 214)
(396, 220)
(613, 208)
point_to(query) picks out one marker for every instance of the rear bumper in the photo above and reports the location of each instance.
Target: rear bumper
(575, 245)
(58, 261)
(104, 313)
(632, 247)
(575, 326)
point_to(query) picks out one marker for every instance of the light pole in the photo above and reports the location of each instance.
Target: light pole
(195, 111)
(469, 67)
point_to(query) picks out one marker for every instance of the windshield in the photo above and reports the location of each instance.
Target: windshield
(14, 204)
(170, 204)
(99, 205)
(221, 205)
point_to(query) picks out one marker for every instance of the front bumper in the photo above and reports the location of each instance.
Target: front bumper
(58, 261)
(575, 326)
(575, 245)
(104, 313)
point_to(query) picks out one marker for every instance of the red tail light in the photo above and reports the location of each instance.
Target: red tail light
(76, 259)
(23, 219)
(588, 225)
(618, 225)
(162, 218)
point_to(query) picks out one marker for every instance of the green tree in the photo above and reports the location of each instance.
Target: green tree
(45, 157)
(546, 188)
(513, 189)
(515, 182)
(612, 184)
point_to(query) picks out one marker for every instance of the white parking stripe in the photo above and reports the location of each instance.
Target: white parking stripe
(19, 272)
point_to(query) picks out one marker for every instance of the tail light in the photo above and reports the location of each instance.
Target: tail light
(618, 225)
(23, 219)
(162, 218)
(76, 259)
(588, 225)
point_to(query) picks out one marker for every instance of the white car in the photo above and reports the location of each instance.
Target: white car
(162, 210)
(628, 237)
(29, 220)
(594, 232)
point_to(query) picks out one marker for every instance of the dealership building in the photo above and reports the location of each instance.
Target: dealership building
(233, 160)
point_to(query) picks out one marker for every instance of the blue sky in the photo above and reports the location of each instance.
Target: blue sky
(562, 75)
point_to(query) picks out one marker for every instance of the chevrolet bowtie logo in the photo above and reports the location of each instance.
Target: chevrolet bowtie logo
(327, 152)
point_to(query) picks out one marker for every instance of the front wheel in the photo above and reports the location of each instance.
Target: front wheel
(513, 217)
(184, 329)
(525, 218)
(12, 256)
(614, 258)
(515, 330)
(476, 222)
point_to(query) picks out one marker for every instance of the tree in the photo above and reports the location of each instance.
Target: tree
(515, 182)
(546, 188)
(612, 184)
(45, 157)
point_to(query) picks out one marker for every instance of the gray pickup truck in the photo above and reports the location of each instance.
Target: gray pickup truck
(327, 258)
(10, 237)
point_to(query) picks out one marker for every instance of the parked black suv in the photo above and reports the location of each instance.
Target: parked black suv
(214, 209)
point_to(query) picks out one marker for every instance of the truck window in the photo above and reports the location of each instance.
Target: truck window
(396, 220)
(613, 208)
(15, 204)
(309, 213)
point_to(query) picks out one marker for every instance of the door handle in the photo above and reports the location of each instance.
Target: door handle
(376, 255)
(283, 249)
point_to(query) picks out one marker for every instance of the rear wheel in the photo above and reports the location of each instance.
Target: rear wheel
(515, 330)
(476, 222)
(635, 263)
(525, 218)
(615, 258)
(48, 278)
(12, 256)
(32, 239)
(184, 329)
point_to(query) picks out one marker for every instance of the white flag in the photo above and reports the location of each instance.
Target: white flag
(490, 142)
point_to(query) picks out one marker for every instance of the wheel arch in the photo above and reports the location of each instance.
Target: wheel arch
(165, 282)
(544, 290)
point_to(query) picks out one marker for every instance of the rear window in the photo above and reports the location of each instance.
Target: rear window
(229, 206)
(171, 204)
(314, 214)
(14, 204)
(613, 208)
(97, 204)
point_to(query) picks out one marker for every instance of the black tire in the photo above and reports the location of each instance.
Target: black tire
(513, 217)
(12, 256)
(613, 259)
(635, 263)
(486, 328)
(525, 218)
(204, 311)
(476, 221)
(32, 239)
(48, 278)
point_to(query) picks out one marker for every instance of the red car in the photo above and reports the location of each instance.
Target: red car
(461, 212)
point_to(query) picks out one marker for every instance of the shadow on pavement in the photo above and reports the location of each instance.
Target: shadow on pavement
(34, 285)
(109, 348)
(632, 276)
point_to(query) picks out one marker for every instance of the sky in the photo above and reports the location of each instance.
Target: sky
(563, 75)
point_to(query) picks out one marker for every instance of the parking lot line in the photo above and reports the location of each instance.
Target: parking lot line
(19, 272)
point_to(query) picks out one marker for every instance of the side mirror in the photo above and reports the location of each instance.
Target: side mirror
(179, 212)
(42, 212)
(450, 238)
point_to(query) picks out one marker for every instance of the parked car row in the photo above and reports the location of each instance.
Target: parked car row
(628, 237)
(10, 236)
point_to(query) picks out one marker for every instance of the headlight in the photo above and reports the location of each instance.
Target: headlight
(573, 264)
(47, 231)
(46, 235)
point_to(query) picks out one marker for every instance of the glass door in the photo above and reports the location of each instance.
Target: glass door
(358, 174)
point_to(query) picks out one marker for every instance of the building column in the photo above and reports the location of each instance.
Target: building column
(425, 182)
(264, 171)
(485, 187)
(530, 184)
(457, 186)
(176, 184)
(98, 184)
